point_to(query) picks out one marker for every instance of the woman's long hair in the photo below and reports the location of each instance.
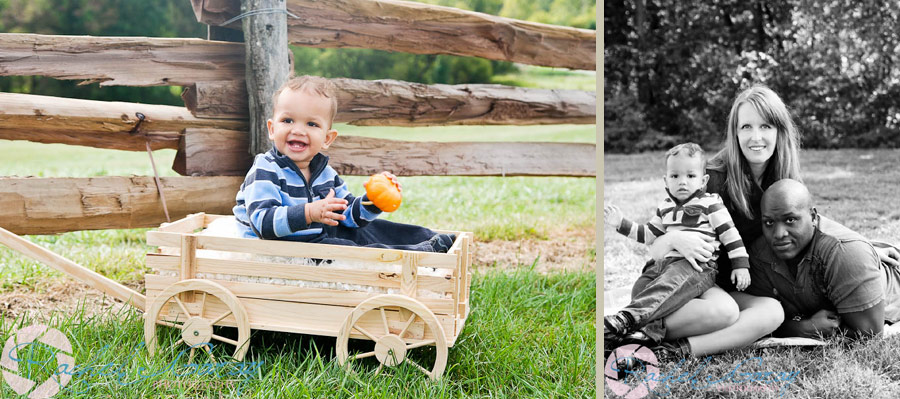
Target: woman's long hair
(785, 161)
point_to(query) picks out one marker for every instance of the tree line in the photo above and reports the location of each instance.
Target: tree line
(672, 69)
(174, 18)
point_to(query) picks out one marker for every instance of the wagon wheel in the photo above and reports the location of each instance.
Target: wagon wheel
(391, 348)
(196, 324)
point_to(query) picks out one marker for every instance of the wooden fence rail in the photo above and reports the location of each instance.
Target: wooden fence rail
(218, 146)
(211, 134)
(99, 124)
(221, 152)
(418, 28)
(121, 61)
(214, 73)
(55, 205)
(397, 103)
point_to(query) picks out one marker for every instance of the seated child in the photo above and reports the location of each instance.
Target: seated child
(665, 286)
(290, 192)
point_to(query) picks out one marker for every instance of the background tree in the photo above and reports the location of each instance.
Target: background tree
(162, 18)
(675, 67)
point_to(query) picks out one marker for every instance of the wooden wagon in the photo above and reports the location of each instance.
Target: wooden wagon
(411, 299)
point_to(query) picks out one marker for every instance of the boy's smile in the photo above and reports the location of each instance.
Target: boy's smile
(301, 126)
(298, 145)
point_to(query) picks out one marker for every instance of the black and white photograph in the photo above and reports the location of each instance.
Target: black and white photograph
(750, 200)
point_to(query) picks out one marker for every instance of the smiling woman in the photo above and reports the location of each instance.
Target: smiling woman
(750, 161)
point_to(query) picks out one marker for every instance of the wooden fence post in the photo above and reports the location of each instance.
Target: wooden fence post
(268, 63)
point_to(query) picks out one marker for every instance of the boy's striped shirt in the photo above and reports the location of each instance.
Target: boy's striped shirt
(271, 201)
(702, 213)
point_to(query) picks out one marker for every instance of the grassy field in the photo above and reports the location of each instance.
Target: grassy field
(529, 334)
(855, 187)
(549, 78)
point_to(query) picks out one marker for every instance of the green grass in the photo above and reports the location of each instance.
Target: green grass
(855, 187)
(25, 158)
(865, 370)
(549, 78)
(528, 335)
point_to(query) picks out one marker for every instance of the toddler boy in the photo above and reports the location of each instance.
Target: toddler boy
(665, 286)
(291, 193)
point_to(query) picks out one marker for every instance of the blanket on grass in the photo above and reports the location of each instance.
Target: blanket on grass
(616, 299)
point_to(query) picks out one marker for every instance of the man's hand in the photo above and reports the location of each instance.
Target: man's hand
(613, 215)
(326, 210)
(826, 322)
(740, 278)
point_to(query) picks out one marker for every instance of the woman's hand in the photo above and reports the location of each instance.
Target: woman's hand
(693, 247)
(889, 255)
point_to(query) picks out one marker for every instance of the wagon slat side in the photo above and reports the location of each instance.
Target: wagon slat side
(413, 299)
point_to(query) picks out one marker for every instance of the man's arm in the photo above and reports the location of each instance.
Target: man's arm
(865, 323)
(824, 323)
(856, 287)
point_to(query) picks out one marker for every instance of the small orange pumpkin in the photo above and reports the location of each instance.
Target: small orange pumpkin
(383, 193)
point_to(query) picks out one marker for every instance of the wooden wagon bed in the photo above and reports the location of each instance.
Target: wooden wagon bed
(387, 319)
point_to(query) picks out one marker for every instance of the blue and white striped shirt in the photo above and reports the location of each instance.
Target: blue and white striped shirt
(271, 201)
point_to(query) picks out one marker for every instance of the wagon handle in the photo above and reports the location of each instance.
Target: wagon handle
(73, 269)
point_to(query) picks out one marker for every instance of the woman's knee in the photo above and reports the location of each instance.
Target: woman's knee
(767, 313)
(722, 314)
(773, 311)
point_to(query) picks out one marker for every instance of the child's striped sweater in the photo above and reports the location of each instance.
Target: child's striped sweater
(702, 213)
(271, 201)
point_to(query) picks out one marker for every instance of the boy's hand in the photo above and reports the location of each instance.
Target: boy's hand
(612, 215)
(740, 278)
(326, 210)
(394, 180)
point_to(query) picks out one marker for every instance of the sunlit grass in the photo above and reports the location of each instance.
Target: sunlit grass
(549, 78)
(528, 335)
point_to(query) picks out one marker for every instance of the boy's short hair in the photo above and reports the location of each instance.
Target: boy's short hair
(690, 149)
(317, 84)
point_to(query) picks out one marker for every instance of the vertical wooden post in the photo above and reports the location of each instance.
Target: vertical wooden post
(408, 284)
(267, 61)
(457, 274)
(188, 262)
(462, 281)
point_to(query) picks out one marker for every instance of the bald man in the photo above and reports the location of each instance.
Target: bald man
(825, 275)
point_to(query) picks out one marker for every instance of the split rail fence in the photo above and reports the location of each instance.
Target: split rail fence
(211, 135)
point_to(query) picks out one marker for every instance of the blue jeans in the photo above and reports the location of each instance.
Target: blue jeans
(380, 234)
(663, 288)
